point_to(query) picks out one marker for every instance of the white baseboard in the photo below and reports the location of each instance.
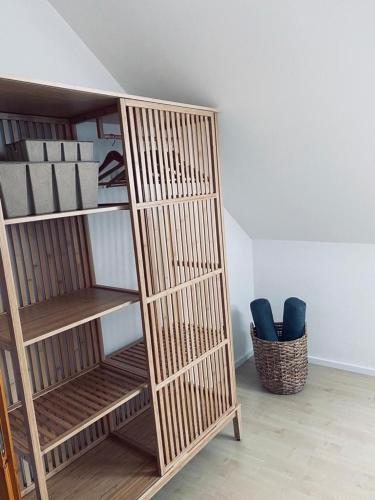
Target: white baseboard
(244, 358)
(342, 366)
(322, 362)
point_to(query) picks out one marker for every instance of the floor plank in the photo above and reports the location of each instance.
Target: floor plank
(319, 444)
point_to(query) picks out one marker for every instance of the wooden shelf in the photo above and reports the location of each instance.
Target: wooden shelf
(45, 319)
(111, 470)
(67, 409)
(104, 208)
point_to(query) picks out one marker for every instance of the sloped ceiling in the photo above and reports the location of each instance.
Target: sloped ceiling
(294, 81)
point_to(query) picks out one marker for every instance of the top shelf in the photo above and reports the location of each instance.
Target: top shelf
(32, 97)
(58, 215)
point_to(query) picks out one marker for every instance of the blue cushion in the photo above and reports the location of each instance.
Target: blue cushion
(263, 319)
(294, 319)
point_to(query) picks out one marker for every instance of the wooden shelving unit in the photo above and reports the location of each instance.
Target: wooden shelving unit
(86, 424)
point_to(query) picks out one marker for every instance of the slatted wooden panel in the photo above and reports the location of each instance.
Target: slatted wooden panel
(192, 402)
(53, 360)
(51, 258)
(174, 192)
(132, 408)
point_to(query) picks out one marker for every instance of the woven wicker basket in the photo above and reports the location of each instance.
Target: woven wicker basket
(282, 366)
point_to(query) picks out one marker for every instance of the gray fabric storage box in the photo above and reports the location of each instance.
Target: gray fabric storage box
(14, 192)
(37, 150)
(65, 186)
(70, 149)
(26, 150)
(42, 198)
(87, 184)
(86, 151)
(53, 151)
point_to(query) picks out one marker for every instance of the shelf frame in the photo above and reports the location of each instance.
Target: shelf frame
(187, 149)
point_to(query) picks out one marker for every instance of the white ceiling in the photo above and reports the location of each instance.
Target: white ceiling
(294, 81)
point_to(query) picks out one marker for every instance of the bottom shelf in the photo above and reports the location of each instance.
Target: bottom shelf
(110, 471)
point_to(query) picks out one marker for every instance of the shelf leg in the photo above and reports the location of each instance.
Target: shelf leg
(20, 363)
(237, 424)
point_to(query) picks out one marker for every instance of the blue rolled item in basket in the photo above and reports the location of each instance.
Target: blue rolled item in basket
(294, 319)
(263, 320)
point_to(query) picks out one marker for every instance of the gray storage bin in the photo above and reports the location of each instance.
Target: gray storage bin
(53, 151)
(70, 149)
(65, 186)
(86, 151)
(14, 192)
(26, 150)
(41, 188)
(36, 150)
(87, 184)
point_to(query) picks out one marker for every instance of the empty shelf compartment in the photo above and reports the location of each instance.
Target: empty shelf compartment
(69, 408)
(111, 470)
(45, 319)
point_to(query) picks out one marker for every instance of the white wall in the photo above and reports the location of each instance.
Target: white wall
(294, 80)
(294, 86)
(241, 285)
(337, 281)
(38, 43)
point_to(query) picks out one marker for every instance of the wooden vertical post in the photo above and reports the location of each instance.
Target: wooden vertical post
(226, 309)
(8, 468)
(20, 363)
(141, 280)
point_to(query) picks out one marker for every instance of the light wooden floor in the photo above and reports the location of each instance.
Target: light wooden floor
(318, 444)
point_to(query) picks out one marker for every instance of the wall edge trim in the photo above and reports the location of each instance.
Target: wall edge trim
(364, 370)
